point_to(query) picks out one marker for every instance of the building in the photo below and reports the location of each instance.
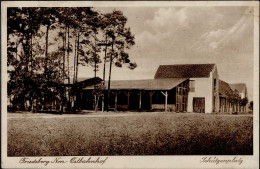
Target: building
(203, 95)
(233, 97)
(179, 88)
(143, 95)
(56, 97)
(225, 93)
(240, 88)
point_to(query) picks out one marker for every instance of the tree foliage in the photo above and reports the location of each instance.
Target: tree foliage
(47, 45)
(244, 101)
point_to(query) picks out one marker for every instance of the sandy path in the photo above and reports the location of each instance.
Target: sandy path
(101, 114)
(89, 115)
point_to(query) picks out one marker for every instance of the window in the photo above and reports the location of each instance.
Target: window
(215, 83)
(192, 85)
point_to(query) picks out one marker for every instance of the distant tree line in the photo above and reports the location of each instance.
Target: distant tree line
(47, 45)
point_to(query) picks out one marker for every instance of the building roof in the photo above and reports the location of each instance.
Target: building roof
(184, 71)
(80, 79)
(149, 84)
(83, 82)
(224, 88)
(240, 87)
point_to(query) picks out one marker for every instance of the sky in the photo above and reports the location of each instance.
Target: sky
(187, 35)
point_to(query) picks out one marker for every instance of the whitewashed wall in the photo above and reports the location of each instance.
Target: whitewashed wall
(204, 88)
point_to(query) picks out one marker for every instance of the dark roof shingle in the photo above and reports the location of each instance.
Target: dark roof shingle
(184, 71)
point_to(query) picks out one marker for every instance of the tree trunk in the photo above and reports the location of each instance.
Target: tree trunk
(104, 69)
(109, 79)
(63, 73)
(95, 58)
(104, 74)
(75, 56)
(46, 49)
(31, 62)
(31, 57)
(77, 65)
(64, 55)
(68, 55)
(46, 63)
(68, 60)
(74, 74)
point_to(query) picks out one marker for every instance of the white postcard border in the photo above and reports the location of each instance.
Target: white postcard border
(130, 161)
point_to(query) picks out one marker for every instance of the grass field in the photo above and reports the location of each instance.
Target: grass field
(149, 134)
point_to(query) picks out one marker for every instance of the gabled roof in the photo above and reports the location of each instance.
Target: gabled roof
(240, 87)
(149, 84)
(184, 71)
(224, 88)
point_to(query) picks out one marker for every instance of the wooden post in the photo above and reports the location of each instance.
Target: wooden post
(227, 106)
(227, 109)
(128, 100)
(116, 101)
(224, 104)
(186, 97)
(166, 101)
(128, 93)
(140, 100)
(166, 96)
(151, 99)
(103, 104)
(94, 103)
(177, 100)
(231, 107)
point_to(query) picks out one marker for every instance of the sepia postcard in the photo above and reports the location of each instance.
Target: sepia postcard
(130, 84)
